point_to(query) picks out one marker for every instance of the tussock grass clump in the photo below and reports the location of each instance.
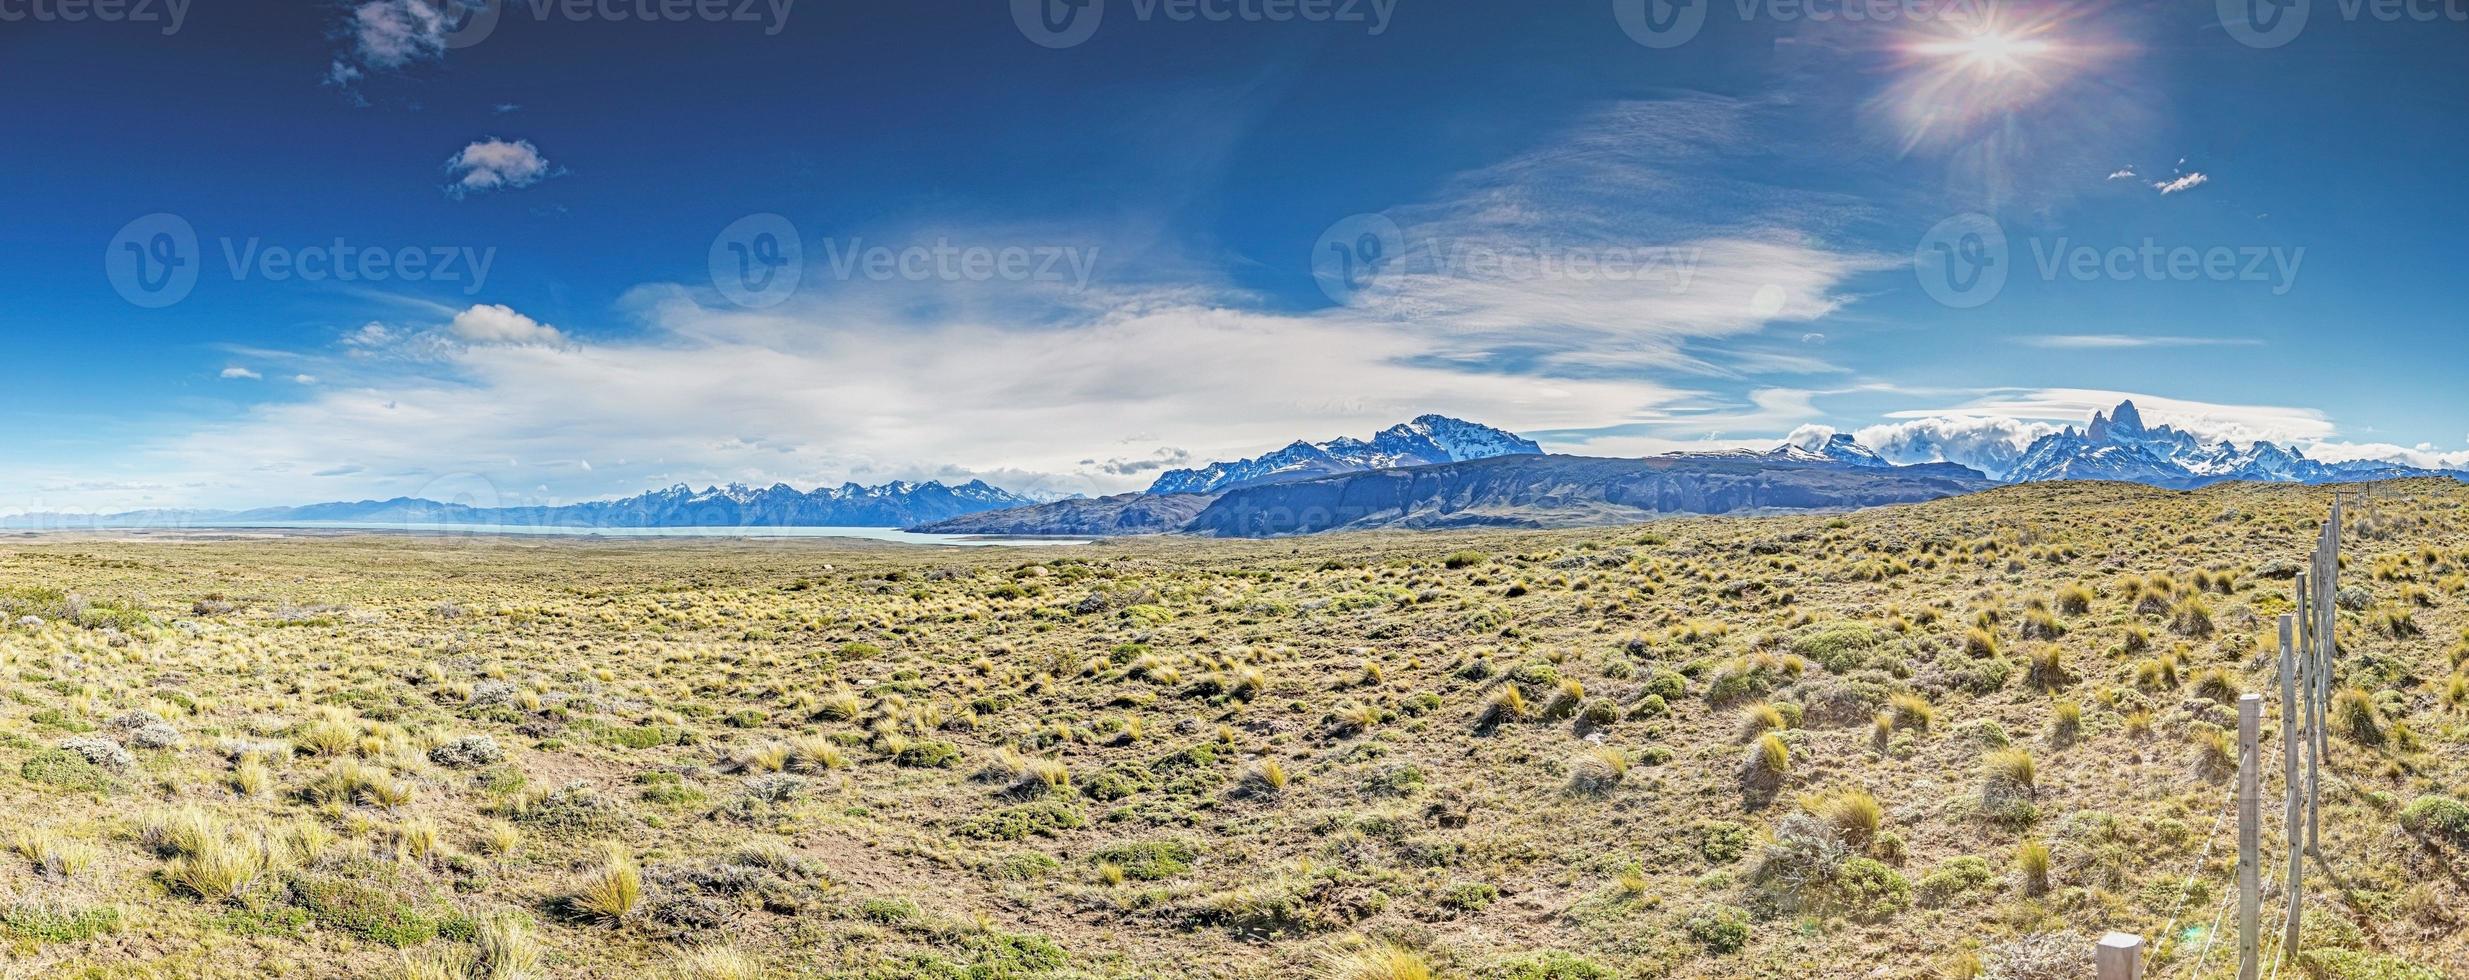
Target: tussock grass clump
(2074, 599)
(2217, 684)
(1912, 711)
(1506, 706)
(716, 962)
(610, 893)
(2032, 865)
(2191, 617)
(1599, 770)
(1767, 762)
(1759, 719)
(2065, 721)
(55, 855)
(2216, 754)
(1375, 961)
(1854, 813)
(2354, 717)
(2045, 669)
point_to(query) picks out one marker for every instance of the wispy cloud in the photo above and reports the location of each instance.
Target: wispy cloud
(2123, 173)
(240, 374)
(2182, 182)
(2116, 341)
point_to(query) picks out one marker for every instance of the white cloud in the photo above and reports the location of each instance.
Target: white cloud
(2118, 341)
(1990, 444)
(387, 35)
(2183, 182)
(304, 379)
(2208, 421)
(2421, 455)
(495, 164)
(1811, 437)
(2123, 173)
(496, 323)
(240, 374)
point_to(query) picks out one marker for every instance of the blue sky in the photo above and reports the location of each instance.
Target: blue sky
(1061, 268)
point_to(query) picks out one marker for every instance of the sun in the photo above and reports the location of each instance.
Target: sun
(1988, 52)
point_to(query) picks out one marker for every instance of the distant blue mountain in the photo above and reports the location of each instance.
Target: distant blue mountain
(896, 504)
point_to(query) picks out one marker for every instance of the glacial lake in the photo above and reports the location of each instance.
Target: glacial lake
(888, 534)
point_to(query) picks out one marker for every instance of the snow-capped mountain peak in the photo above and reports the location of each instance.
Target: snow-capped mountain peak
(1426, 440)
(2120, 445)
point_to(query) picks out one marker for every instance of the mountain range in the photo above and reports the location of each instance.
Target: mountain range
(896, 504)
(2118, 445)
(1430, 472)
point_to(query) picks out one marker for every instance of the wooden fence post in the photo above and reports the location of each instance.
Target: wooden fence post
(2119, 957)
(2296, 882)
(2250, 834)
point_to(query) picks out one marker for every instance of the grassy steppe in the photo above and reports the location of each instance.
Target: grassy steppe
(1954, 739)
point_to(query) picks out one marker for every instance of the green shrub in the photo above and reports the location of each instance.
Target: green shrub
(56, 922)
(1149, 860)
(1551, 965)
(1043, 818)
(1469, 896)
(364, 911)
(1956, 881)
(1870, 891)
(1722, 841)
(66, 770)
(1719, 928)
(2440, 816)
(928, 755)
